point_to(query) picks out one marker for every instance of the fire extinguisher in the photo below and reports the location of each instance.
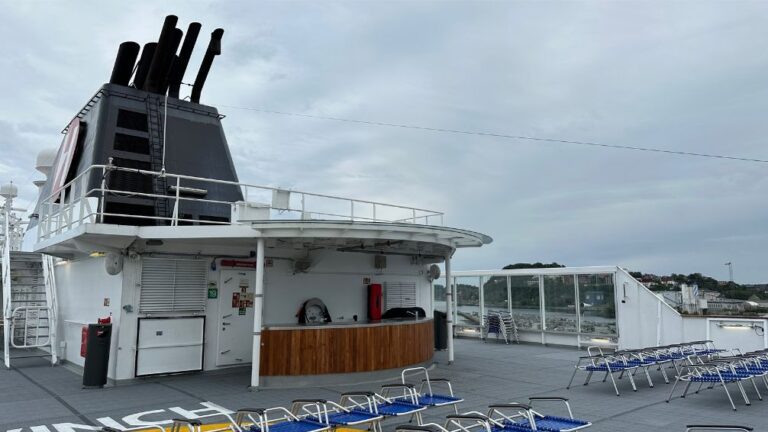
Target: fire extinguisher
(84, 341)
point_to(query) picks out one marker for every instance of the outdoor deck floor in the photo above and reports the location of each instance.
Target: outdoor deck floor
(36, 394)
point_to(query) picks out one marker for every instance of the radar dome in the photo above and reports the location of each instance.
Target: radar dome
(45, 160)
(9, 190)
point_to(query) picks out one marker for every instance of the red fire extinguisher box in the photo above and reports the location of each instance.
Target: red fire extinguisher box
(375, 306)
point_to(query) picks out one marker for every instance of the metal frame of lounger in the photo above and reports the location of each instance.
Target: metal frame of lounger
(333, 414)
(600, 362)
(715, 372)
(374, 403)
(262, 422)
(720, 428)
(497, 413)
(430, 398)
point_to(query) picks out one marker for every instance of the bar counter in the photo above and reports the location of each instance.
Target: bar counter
(346, 347)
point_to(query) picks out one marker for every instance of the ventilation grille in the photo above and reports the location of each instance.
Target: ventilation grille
(173, 285)
(400, 294)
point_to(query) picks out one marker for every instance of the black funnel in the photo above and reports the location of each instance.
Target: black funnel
(123, 68)
(175, 42)
(144, 62)
(161, 61)
(180, 65)
(214, 49)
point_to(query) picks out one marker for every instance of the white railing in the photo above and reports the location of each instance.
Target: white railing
(6, 288)
(76, 204)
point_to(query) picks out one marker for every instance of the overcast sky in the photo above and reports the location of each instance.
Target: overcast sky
(690, 76)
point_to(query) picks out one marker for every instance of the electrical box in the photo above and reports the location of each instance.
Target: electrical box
(281, 199)
(248, 211)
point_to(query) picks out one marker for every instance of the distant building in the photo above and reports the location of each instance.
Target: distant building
(726, 305)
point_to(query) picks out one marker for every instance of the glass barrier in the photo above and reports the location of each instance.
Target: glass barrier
(560, 303)
(526, 302)
(597, 304)
(468, 301)
(495, 294)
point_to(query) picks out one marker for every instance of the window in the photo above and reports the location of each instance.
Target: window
(560, 303)
(173, 285)
(597, 304)
(526, 304)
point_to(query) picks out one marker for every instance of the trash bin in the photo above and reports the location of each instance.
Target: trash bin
(441, 330)
(97, 355)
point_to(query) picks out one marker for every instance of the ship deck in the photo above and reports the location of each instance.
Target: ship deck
(36, 394)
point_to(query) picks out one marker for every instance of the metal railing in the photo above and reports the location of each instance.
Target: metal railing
(76, 203)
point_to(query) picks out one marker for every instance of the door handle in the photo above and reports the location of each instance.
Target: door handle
(226, 323)
(226, 351)
(226, 316)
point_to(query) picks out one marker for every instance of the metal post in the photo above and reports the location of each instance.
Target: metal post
(449, 306)
(258, 303)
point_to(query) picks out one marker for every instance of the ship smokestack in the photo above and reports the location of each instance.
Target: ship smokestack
(144, 62)
(161, 61)
(180, 64)
(123, 68)
(214, 49)
(172, 59)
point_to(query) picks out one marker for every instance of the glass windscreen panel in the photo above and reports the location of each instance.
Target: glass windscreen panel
(526, 302)
(597, 304)
(439, 292)
(560, 303)
(495, 294)
(468, 301)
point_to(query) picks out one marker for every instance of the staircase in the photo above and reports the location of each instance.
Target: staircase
(28, 306)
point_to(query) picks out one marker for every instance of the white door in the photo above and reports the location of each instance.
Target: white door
(236, 288)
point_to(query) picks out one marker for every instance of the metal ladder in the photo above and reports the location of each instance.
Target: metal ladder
(155, 128)
(29, 306)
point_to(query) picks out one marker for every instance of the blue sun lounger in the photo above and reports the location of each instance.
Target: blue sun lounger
(335, 415)
(277, 419)
(522, 417)
(426, 394)
(718, 428)
(388, 407)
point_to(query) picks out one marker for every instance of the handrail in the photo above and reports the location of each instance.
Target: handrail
(6, 269)
(69, 206)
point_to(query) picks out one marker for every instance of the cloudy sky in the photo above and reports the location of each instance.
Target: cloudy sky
(688, 76)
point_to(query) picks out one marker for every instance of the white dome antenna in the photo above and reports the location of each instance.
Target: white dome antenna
(9, 191)
(45, 160)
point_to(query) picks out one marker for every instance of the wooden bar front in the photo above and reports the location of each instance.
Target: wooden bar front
(345, 349)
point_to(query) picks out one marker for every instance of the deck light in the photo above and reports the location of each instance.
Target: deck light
(97, 254)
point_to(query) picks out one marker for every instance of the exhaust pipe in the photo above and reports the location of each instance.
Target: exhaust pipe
(175, 41)
(180, 64)
(158, 69)
(123, 68)
(144, 62)
(214, 49)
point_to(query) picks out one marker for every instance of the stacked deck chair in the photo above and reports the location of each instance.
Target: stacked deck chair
(434, 392)
(387, 407)
(725, 370)
(277, 419)
(335, 415)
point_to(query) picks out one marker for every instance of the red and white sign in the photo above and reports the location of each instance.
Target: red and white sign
(64, 157)
(238, 263)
